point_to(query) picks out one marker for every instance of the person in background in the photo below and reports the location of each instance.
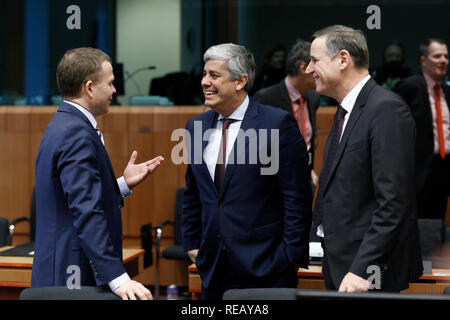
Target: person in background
(295, 94)
(428, 96)
(392, 70)
(272, 68)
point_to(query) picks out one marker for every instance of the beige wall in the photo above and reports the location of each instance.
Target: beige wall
(148, 33)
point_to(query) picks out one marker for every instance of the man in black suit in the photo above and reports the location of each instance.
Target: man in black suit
(295, 94)
(428, 96)
(364, 207)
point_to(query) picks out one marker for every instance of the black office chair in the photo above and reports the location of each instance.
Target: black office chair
(31, 220)
(64, 293)
(261, 294)
(175, 251)
(4, 224)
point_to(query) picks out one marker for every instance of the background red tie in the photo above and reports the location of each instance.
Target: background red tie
(439, 121)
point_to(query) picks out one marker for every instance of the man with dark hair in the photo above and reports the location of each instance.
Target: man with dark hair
(428, 96)
(295, 94)
(364, 206)
(78, 199)
(245, 220)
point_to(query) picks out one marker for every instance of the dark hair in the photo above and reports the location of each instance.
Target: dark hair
(339, 37)
(299, 52)
(424, 45)
(78, 66)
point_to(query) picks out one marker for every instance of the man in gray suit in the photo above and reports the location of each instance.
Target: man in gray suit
(364, 207)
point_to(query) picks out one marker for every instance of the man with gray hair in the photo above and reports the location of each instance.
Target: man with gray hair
(295, 94)
(364, 208)
(242, 226)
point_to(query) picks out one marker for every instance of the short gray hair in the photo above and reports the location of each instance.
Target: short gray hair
(298, 53)
(339, 37)
(240, 62)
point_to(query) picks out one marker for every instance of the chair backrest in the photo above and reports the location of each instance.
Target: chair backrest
(432, 236)
(177, 216)
(64, 293)
(144, 100)
(4, 231)
(261, 294)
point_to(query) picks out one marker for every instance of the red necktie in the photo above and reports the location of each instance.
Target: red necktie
(439, 121)
(219, 174)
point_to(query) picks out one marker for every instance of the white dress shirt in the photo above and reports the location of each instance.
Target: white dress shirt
(212, 150)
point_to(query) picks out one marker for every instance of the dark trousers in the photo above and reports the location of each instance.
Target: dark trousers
(432, 201)
(224, 278)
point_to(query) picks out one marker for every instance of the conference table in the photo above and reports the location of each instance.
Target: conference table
(15, 271)
(312, 278)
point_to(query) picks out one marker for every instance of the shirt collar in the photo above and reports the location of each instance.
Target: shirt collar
(85, 111)
(293, 93)
(430, 82)
(350, 98)
(239, 113)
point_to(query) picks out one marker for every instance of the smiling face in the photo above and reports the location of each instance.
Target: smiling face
(325, 71)
(436, 63)
(221, 93)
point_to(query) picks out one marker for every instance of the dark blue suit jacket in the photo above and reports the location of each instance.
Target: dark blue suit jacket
(262, 220)
(78, 205)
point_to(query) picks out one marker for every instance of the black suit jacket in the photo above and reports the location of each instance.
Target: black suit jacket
(368, 200)
(277, 96)
(414, 91)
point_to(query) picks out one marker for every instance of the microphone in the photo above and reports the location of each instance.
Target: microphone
(130, 76)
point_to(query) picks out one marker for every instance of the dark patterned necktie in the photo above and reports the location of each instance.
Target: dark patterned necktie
(219, 174)
(324, 175)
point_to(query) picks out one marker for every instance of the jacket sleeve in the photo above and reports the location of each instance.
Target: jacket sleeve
(79, 173)
(293, 178)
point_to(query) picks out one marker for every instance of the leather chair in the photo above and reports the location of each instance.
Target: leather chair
(261, 294)
(64, 293)
(31, 220)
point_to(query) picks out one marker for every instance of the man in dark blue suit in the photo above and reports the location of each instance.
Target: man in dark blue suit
(78, 199)
(247, 205)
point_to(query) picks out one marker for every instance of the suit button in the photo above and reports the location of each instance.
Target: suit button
(219, 236)
(220, 205)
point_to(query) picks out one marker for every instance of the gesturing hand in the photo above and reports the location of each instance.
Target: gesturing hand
(136, 173)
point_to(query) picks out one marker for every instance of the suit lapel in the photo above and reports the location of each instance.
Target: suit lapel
(284, 96)
(353, 119)
(208, 123)
(249, 121)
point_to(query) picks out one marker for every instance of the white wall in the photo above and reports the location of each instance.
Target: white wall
(148, 33)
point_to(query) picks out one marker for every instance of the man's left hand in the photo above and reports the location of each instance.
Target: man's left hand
(354, 283)
(136, 173)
